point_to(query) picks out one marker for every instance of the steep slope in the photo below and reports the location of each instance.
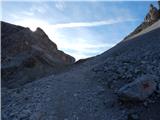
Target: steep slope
(128, 61)
(89, 90)
(27, 55)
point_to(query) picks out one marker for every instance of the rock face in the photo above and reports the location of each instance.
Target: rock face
(28, 55)
(152, 16)
(139, 89)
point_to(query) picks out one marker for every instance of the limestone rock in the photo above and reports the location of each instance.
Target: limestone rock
(152, 16)
(139, 89)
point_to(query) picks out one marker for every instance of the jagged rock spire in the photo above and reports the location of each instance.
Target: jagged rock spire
(153, 14)
(159, 4)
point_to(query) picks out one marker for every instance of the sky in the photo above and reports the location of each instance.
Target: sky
(82, 29)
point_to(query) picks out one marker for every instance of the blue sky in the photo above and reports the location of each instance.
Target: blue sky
(81, 29)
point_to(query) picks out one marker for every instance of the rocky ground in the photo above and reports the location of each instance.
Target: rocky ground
(123, 83)
(93, 89)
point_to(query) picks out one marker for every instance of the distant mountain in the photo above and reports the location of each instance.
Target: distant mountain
(28, 55)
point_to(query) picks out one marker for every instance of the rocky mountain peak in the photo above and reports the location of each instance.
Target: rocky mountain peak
(152, 16)
(28, 55)
(39, 31)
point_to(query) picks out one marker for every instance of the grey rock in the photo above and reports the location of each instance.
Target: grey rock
(139, 89)
(25, 114)
(133, 116)
(145, 103)
(152, 16)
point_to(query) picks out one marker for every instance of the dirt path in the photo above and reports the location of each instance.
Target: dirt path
(68, 96)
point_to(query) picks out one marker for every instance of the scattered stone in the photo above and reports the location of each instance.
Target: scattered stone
(37, 116)
(133, 116)
(151, 101)
(24, 115)
(145, 104)
(158, 88)
(65, 118)
(138, 90)
(75, 94)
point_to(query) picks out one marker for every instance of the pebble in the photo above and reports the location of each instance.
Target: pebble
(75, 94)
(133, 116)
(145, 104)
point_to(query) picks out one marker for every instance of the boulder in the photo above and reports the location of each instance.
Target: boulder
(138, 90)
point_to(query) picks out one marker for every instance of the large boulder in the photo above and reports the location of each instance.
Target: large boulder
(138, 90)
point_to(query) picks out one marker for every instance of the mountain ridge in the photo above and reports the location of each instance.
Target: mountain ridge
(24, 51)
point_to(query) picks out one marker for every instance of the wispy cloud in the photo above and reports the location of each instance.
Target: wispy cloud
(39, 8)
(60, 5)
(33, 23)
(77, 40)
(42, 8)
(92, 23)
(28, 13)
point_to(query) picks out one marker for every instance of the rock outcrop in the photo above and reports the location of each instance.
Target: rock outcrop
(152, 16)
(28, 55)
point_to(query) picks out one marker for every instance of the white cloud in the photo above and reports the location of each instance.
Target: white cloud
(37, 8)
(40, 8)
(60, 5)
(92, 23)
(14, 16)
(28, 13)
